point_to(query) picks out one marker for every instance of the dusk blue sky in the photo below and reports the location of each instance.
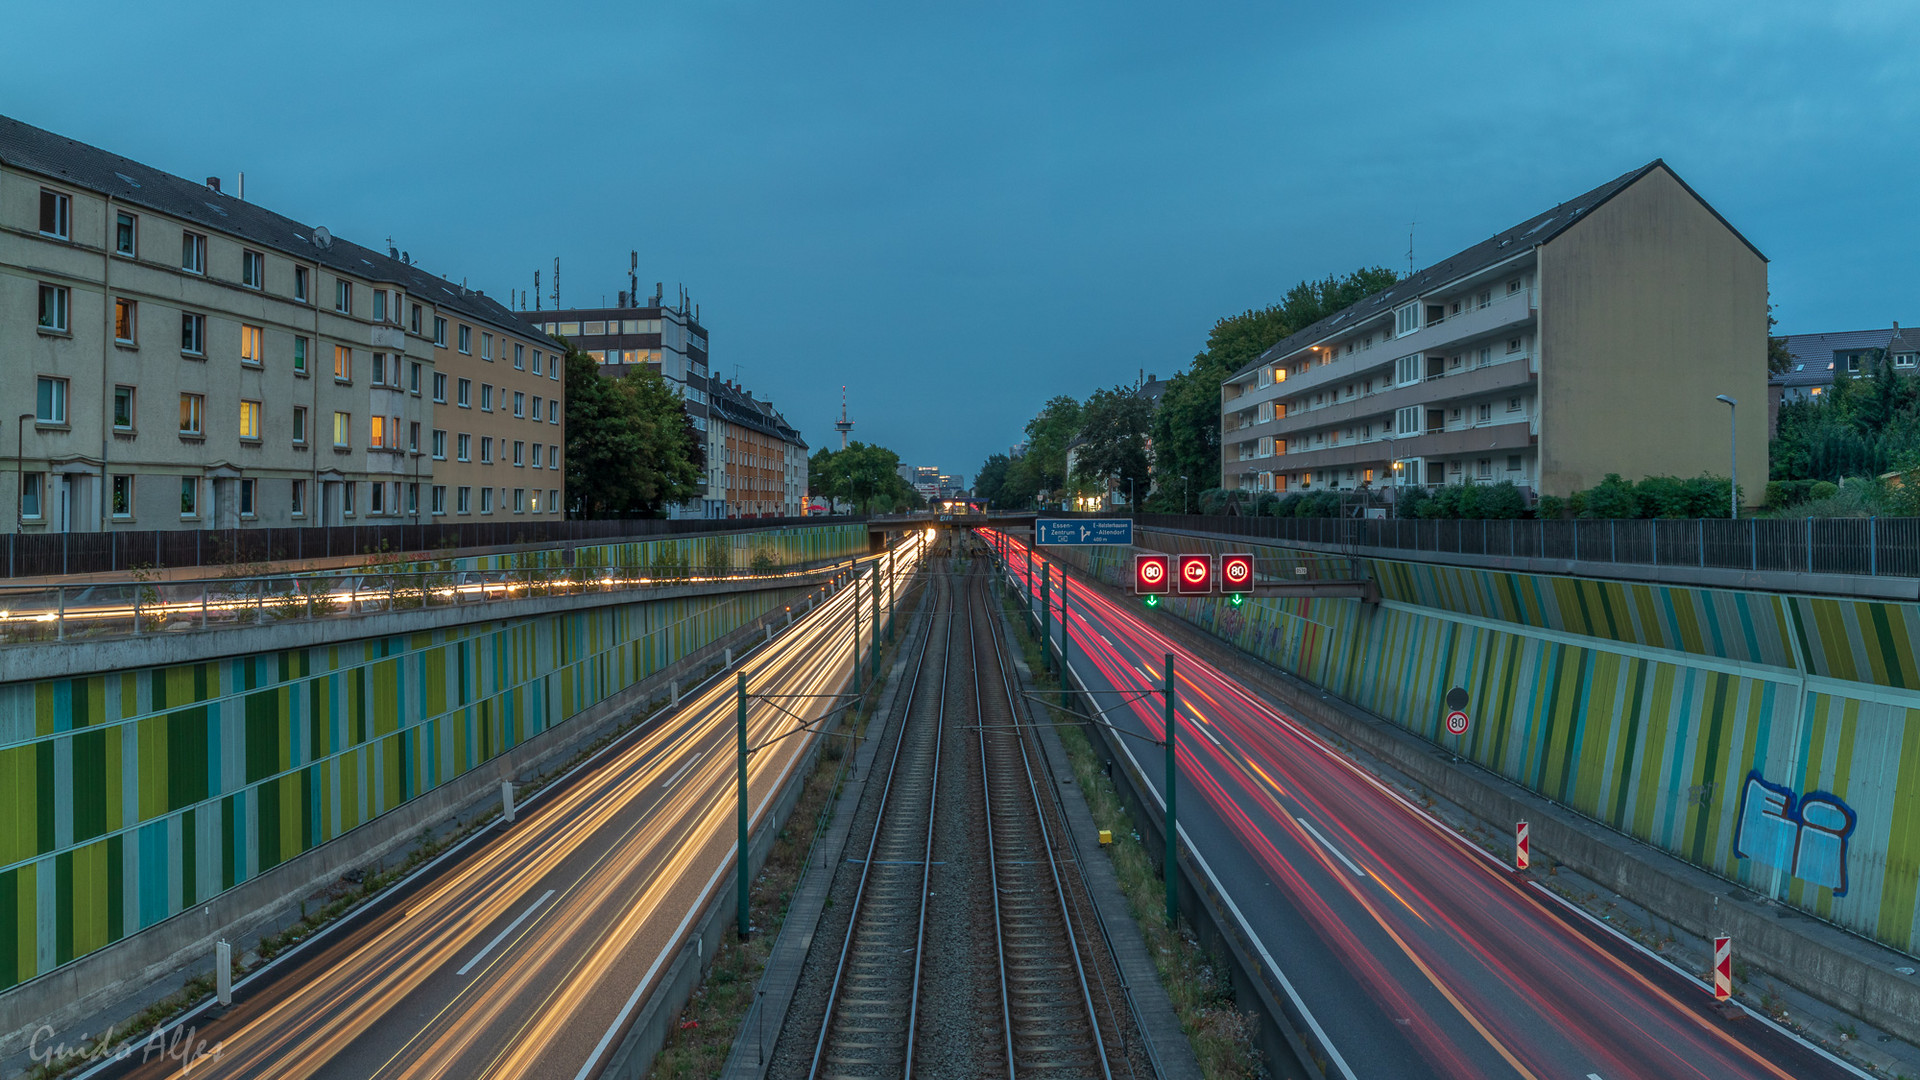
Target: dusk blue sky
(960, 210)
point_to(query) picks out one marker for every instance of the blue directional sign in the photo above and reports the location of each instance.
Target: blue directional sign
(1117, 531)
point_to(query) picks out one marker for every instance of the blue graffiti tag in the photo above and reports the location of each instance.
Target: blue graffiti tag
(1803, 835)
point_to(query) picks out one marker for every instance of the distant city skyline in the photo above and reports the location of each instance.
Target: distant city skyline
(959, 214)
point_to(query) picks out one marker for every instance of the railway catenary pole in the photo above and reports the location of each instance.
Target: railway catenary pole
(1065, 627)
(1029, 583)
(1046, 619)
(1173, 829)
(856, 634)
(873, 654)
(740, 860)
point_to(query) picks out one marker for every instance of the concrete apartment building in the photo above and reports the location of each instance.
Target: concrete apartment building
(197, 361)
(670, 340)
(762, 464)
(1589, 339)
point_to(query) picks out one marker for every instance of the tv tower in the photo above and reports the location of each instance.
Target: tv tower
(845, 425)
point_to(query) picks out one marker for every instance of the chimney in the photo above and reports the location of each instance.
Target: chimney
(214, 183)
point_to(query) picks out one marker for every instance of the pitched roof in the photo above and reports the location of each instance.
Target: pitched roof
(736, 406)
(1904, 339)
(1495, 249)
(76, 164)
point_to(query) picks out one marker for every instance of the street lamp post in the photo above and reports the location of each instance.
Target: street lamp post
(1733, 456)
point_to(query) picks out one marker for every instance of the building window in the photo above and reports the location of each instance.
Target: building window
(553, 370)
(519, 405)
(189, 496)
(299, 425)
(1513, 286)
(124, 312)
(56, 211)
(519, 500)
(253, 269)
(440, 331)
(126, 234)
(553, 456)
(342, 430)
(123, 408)
(1513, 345)
(377, 497)
(464, 500)
(519, 357)
(300, 283)
(193, 334)
(343, 296)
(123, 496)
(1406, 319)
(50, 401)
(536, 454)
(413, 377)
(1486, 412)
(297, 499)
(463, 447)
(1486, 468)
(250, 420)
(377, 437)
(193, 253)
(438, 499)
(299, 356)
(486, 449)
(380, 369)
(1513, 462)
(553, 412)
(246, 497)
(486, 397)
(536, 408)
(466, 340)
(519, 454)
(439, 388)
(465, 396)
(486, 500)
(342, 363)
(346, 497)
(413, 436)
(193, 415)
(413, 315)
(54, 304)
(413, 499)
(253, 345)
(486, 347)
(439, 444)
(30, 491)
(379, 305)
(536, 361)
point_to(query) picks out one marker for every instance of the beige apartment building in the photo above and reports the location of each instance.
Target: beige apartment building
(196, 361)
(1590, 339)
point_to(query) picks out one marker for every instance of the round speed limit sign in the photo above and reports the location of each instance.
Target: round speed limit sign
(1457, 722)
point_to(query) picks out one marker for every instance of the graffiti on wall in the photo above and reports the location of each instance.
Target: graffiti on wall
(1805, 835)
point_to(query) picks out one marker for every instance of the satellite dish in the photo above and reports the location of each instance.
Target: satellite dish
(322, 238)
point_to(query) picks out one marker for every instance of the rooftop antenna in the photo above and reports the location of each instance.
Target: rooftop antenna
(536, 290)
(556, 283)
(633, 277)
(1410, 226)
(845, 425)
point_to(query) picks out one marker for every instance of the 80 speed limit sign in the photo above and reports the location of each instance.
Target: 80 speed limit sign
(1457, 722)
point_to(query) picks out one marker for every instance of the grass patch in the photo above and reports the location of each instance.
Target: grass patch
(1198, 983)
(704, 1033)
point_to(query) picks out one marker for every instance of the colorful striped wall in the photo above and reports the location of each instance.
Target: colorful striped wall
(127, 796)
(1771, 739)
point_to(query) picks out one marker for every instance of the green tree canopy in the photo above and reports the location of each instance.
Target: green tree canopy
(1047, 437)
(1114, 427)
(863, 475)
(992, 477)
(632, 450)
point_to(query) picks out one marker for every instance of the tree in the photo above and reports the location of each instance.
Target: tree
(1779, 360)
(1186, 426)
(987, 483)
(1047, 437)
(1114, 426)
(631, 448)
(863, 475)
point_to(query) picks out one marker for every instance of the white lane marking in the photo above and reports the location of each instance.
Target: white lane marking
(1336, 852)
(678, 773)
(1246, 928)
(1593, 1076)
(502, 935)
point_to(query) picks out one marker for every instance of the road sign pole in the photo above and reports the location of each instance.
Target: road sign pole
(1522, 847)
(1172, 869)
(740, 862)
(1722, 968)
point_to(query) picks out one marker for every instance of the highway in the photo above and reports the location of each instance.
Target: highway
(528, 953)
(1412, 952)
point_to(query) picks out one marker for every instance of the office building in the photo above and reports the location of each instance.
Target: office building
(197, 361)
(1589, 339)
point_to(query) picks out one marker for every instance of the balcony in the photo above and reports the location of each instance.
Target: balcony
(1468, 382)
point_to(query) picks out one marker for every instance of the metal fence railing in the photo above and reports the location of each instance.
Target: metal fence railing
(1878, 547)
(48, 554)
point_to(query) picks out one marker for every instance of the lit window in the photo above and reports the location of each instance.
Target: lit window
(193, 414)
(193, 334)
(378, 436)
(342, 429)
(124, 321)
(50, 401)
(123, 408)
(54, 304)
(342, 363)
(56, 212)
(126, 234)
(250, 420)
(253, 269)
(253, 348)
(193, 253)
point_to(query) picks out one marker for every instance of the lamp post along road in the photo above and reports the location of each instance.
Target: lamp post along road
(1733, 455)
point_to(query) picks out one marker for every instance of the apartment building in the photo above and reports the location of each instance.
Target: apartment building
(198, 361)
(668, 339)
(1589, 339)
(761, 466)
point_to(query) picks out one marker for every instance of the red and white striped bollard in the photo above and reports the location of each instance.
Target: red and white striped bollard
(1522, 847)
(1722, 968)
